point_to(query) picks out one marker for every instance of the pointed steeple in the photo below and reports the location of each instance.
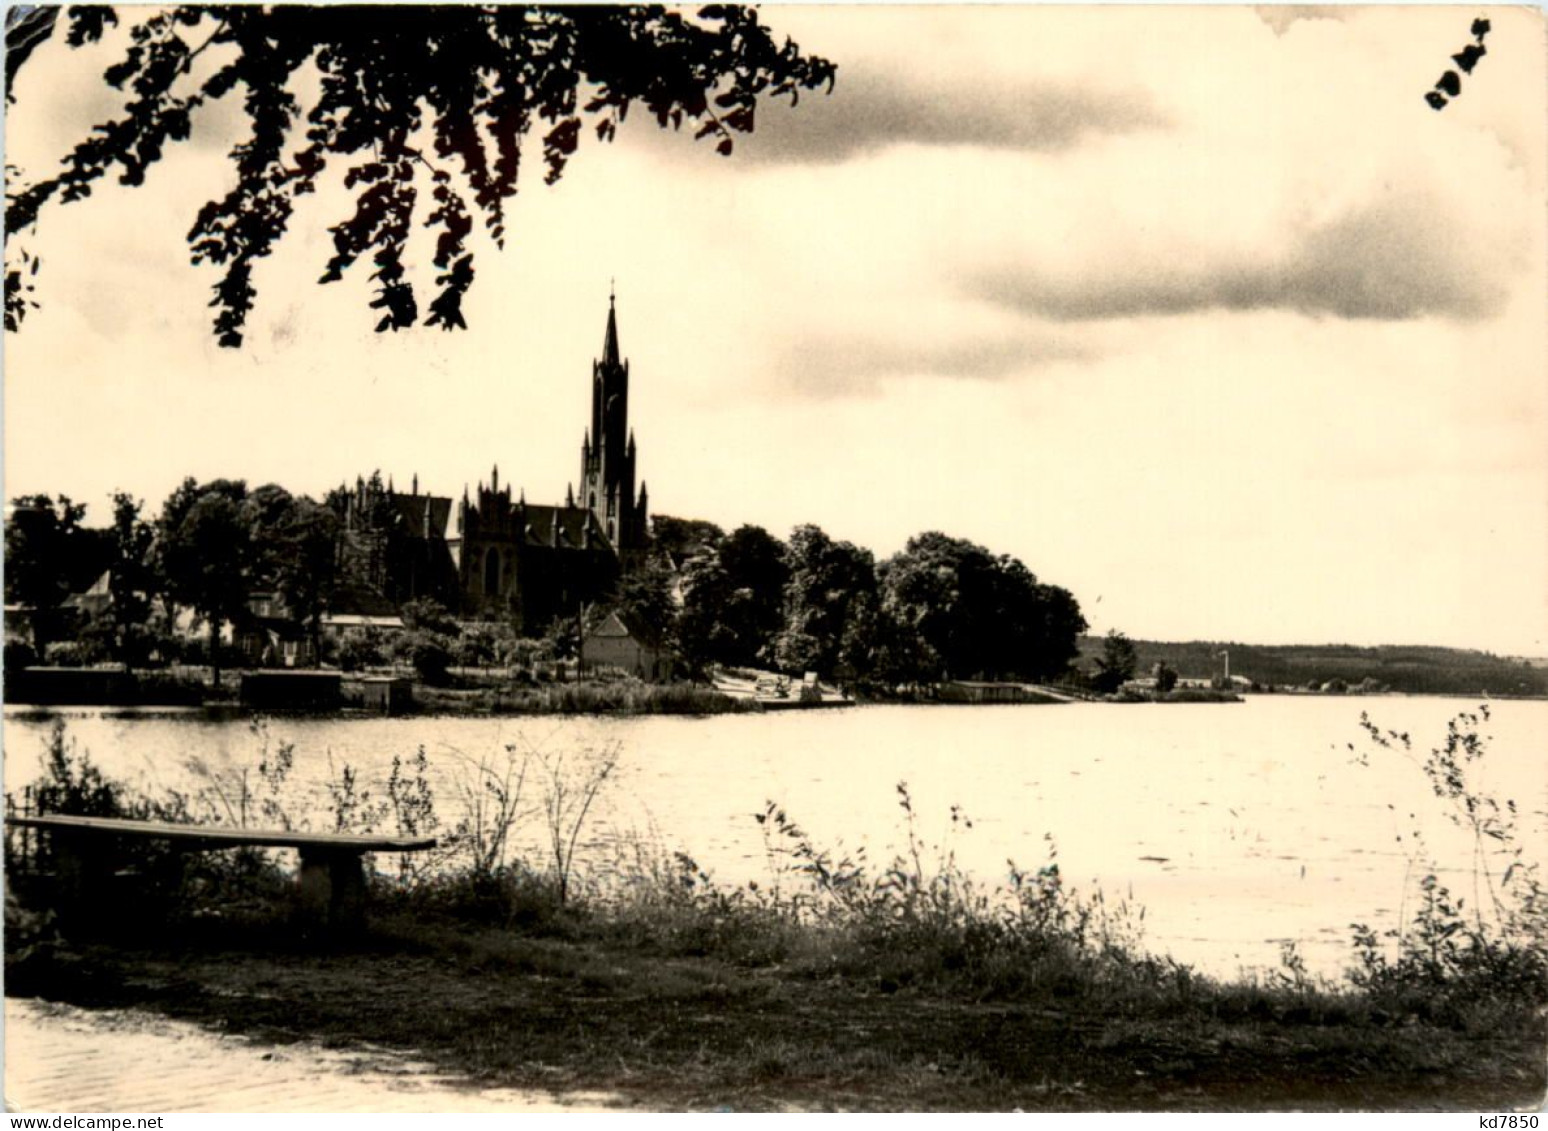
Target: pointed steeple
(610, 354)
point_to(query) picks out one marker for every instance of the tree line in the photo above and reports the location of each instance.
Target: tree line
(941, 608)
(211, 546)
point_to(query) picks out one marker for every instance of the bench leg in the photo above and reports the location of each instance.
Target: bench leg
(83, 870)
(333, 889)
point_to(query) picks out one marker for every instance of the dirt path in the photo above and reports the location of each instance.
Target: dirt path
(59, 1058)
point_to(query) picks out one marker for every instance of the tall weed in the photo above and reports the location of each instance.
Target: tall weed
(1448, 957)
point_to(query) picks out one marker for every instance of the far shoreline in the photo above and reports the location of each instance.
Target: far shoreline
(232, 711)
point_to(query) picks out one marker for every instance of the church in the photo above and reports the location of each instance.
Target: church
(510, 559)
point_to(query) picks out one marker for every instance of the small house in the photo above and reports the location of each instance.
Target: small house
(625, 642)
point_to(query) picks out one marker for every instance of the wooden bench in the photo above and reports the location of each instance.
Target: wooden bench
(332, 880)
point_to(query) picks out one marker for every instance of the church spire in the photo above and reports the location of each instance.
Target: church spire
(610, 354)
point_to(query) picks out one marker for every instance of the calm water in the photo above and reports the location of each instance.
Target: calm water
(1235, 826)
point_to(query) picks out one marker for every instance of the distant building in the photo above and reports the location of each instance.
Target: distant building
(628, 644)
(96, 599)
(264, 635)
(533, 563)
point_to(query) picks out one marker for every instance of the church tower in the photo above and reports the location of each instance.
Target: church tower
(608, 453)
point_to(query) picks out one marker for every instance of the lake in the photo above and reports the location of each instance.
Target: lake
(1235, 826)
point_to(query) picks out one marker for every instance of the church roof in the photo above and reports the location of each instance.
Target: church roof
(412, 512)
(572, 523)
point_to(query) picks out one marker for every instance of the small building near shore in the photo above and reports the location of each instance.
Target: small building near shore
(625, 642)
(291, 691)
(388, 694)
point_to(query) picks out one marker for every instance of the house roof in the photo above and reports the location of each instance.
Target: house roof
(360, 600)
(623, 625)
(98, 592)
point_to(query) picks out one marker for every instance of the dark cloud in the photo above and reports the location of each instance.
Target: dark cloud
(867, 112)
(1386, 262)
(831, 367)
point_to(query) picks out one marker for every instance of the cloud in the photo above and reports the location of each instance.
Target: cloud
(1392, 260)
(868, 111)
(855, 365)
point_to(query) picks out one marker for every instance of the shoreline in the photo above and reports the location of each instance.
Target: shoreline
(447, 708)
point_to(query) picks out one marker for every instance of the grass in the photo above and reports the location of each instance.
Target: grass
(615, 697)
(578, 1010)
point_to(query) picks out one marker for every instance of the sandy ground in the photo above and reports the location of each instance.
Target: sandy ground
(59, 1058)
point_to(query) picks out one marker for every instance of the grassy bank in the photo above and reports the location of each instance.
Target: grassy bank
(615, 697)
(833, 981)
(498, 1007)
(470, 694)
(1179, 695)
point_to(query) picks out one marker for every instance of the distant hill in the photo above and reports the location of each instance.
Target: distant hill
(1416, 669)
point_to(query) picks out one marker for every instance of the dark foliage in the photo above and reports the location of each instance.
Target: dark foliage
(1116, 664)
(412, 102)
(975, 613)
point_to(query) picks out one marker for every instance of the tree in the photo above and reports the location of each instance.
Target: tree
(173, 510)
(878, 652)
(1063, 623)
(1116, 663)
(680, 538)
(129, 579)
(644, 593)
(1165, 676)
(206, 554)
(45, 549)
(733, 599)
(703, 637)
(399, 102)
(978, 614)
(827, 581)
(756, 574)
(305, 566)
(425, 614)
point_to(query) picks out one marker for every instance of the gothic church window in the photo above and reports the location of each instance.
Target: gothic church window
(492, 573)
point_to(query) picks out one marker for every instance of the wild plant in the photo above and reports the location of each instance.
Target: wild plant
(72, 783)
(228, 796)
(571, 783)
(491, 796)
(831, 881)
(1497, 948)
(352, 806)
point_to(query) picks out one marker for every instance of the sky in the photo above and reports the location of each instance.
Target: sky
(1202, 313)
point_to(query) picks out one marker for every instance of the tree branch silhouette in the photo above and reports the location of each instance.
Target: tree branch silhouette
(476, 83)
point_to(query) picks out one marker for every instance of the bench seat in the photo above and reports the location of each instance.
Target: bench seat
(332, 881)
